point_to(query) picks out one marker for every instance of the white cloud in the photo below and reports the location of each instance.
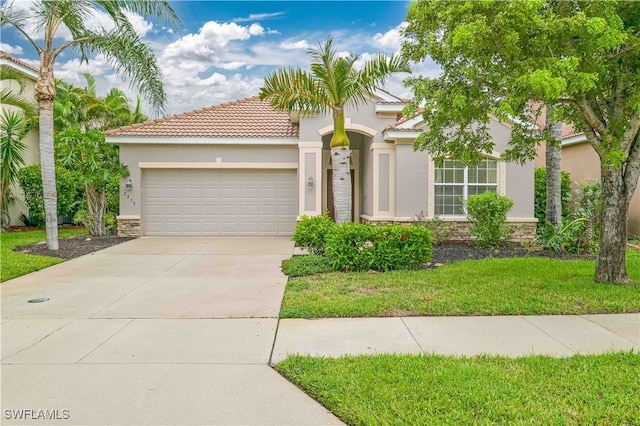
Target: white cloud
(12, 50)
(214, 90)
(391, 40)
(256, 29)
(302, 44)
(140, 25)
(258, 17)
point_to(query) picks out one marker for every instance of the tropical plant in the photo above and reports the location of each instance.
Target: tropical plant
(14, 98)
(121, 45)
(68, 186)
(333, 84)
(97, 163)
(13, 128)
(498, 58)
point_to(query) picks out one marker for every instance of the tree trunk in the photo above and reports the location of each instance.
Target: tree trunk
(47, 162)
(611, 264)
(45, 93)
(96, 203)
(554, 176)
(341, 166)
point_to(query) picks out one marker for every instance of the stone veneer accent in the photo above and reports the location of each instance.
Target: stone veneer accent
(459, 230)
(128, 227)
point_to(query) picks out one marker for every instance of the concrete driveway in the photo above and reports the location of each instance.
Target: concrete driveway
(152, 331)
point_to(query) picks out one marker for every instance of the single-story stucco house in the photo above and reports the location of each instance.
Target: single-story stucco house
(31, 155)
(242, 168)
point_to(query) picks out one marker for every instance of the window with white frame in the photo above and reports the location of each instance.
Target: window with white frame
(454, 183)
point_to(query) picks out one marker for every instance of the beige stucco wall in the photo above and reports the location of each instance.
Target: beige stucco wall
(133, 154)
(413, 193)
(411, 171)
(583, 163)
(31, 154)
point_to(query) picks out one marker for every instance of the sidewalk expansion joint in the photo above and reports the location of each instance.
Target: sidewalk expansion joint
(412, 336)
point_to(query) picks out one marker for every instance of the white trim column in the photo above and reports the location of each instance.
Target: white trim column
(310, 178)
(384, 180)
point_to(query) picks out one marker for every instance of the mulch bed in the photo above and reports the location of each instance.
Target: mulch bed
(456, 251)
(70, 248)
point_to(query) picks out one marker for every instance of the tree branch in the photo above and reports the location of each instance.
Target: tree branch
(590, 117)
(632, 172)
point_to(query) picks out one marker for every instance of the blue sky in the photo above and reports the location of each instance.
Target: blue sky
(226, 48)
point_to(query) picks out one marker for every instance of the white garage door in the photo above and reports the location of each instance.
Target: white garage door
(219, 202)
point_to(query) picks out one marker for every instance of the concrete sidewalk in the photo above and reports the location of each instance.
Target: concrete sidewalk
(500, 335)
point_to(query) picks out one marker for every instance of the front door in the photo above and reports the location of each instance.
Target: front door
(330, 207)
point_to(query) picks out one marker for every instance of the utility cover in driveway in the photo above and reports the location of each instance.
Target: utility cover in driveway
(219, 202)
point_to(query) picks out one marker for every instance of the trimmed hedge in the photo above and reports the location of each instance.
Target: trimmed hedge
(363, 247)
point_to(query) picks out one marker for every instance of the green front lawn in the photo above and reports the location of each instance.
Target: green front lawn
(519, 286)
(440, 390)
(15, 264)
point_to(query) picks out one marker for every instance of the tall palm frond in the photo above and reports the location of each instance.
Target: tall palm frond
(13, 128)
(16, 98)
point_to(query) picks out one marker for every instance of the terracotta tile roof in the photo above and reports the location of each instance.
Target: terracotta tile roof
(5, 55)
(244, 118)
(404, 119)
(569, 131)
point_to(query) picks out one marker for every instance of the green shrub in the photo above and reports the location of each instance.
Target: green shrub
(349, 246)
(580, 231)
(488, 215)
(311, 232)
(361, 247)
(441, 231)
(69, 188)
(299, 266)
(540, 197)
(401, 247)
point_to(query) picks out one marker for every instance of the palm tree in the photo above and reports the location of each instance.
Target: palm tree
(333, 84)
(554, 164)
(14, 126)
(121, 45)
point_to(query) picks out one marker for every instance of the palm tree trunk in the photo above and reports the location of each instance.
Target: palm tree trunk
(48, 174)
(341, 166)
(554, 177)
(45, 93)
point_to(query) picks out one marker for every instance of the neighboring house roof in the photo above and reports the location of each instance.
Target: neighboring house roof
(386, 97)
(22, 66)
(244, 118)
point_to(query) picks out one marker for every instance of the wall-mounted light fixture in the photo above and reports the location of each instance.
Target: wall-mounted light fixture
(128, 184)
(310, 182)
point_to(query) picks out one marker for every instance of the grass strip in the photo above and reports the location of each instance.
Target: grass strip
(441, 390)
(15, 264)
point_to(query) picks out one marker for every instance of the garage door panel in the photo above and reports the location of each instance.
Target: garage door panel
(192, 193)
(175, 193)
(171, 210)
(192, 210)
(220, 202)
